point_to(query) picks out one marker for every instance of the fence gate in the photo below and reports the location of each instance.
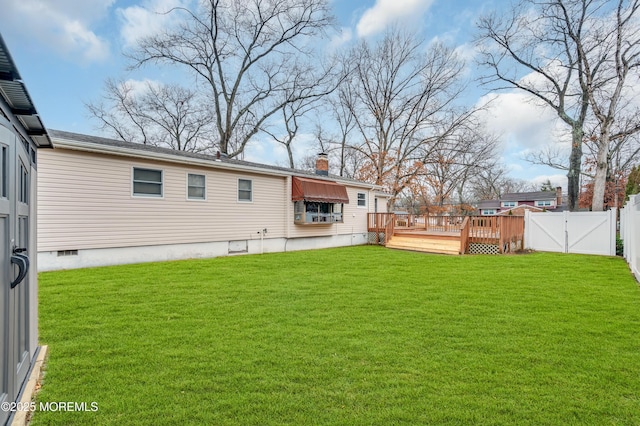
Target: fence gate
(572, 232)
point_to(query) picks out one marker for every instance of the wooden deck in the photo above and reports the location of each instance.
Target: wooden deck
(447, 234)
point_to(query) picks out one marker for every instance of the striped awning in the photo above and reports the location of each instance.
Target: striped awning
(319, 191)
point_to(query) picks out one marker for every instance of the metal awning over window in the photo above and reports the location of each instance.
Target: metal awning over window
(319, 191)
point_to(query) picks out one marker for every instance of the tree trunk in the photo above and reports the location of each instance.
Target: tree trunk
(575, 165)
(290, 154)
(600, 180)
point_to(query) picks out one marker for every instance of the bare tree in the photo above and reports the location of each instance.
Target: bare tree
(334, 135)
(579, 55)
(252, 55)
(292, 114)
(607, 73)
(457, 159)
(154, 114)
(532, 48)
(402, 103)
(490, 183)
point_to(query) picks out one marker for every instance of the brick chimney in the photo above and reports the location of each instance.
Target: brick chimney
(322, 164)
(558, 196)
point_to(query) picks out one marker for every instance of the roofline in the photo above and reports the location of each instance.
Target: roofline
(85, 146)
(521, 206)
(36, 133)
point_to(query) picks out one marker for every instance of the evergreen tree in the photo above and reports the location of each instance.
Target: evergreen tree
(633, 182)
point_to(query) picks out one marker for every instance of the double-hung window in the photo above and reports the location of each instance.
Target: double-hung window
(362, 199)
(545, 203)
(147, 182)
(196, 187)
(245, 190)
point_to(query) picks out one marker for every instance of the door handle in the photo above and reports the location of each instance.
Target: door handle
(22, 261)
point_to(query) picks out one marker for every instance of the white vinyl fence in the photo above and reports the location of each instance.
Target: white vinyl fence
(630, 233)
(571, 232)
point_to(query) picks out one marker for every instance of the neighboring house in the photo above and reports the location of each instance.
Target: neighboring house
(21, 134)
(103, 201)
(516, 203)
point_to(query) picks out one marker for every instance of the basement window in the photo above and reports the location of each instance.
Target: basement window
(67, 253)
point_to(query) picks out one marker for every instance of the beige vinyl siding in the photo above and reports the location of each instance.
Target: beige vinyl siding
(85, 201)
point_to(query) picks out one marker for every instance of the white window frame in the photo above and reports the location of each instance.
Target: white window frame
(544, 203)
(204, 198)
(488, 212)
(509, 203)
(364, 199)
(133, 173)
(250, 200)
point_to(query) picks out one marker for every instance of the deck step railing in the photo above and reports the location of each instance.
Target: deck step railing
(383, 225)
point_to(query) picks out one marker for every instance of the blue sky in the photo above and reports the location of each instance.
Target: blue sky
(65, 49)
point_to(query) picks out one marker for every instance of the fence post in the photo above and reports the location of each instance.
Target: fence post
(613, 219)
(527, 229)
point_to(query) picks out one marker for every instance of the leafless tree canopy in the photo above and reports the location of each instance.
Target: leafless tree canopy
(401, 102)
(253, 56)
(155, 114)
(573, 56)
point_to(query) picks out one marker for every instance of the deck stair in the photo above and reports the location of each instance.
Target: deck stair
(425, 243)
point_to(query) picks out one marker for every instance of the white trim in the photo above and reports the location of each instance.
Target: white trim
(187, 187)
(508, 204)
(153, 197)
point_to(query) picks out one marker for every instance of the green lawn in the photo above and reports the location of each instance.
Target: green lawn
(358, 335)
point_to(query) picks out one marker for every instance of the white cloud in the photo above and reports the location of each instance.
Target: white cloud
(62, 25)
(521, 123)
(525, 127)
(555, 179)
(386, 12)
(341, 38)
(147, 19)
(140, 87)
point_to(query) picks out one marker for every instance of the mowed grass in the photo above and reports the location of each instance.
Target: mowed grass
(358, 335)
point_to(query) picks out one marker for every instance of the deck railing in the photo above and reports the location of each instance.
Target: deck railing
(505, 231)
(429, 223)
